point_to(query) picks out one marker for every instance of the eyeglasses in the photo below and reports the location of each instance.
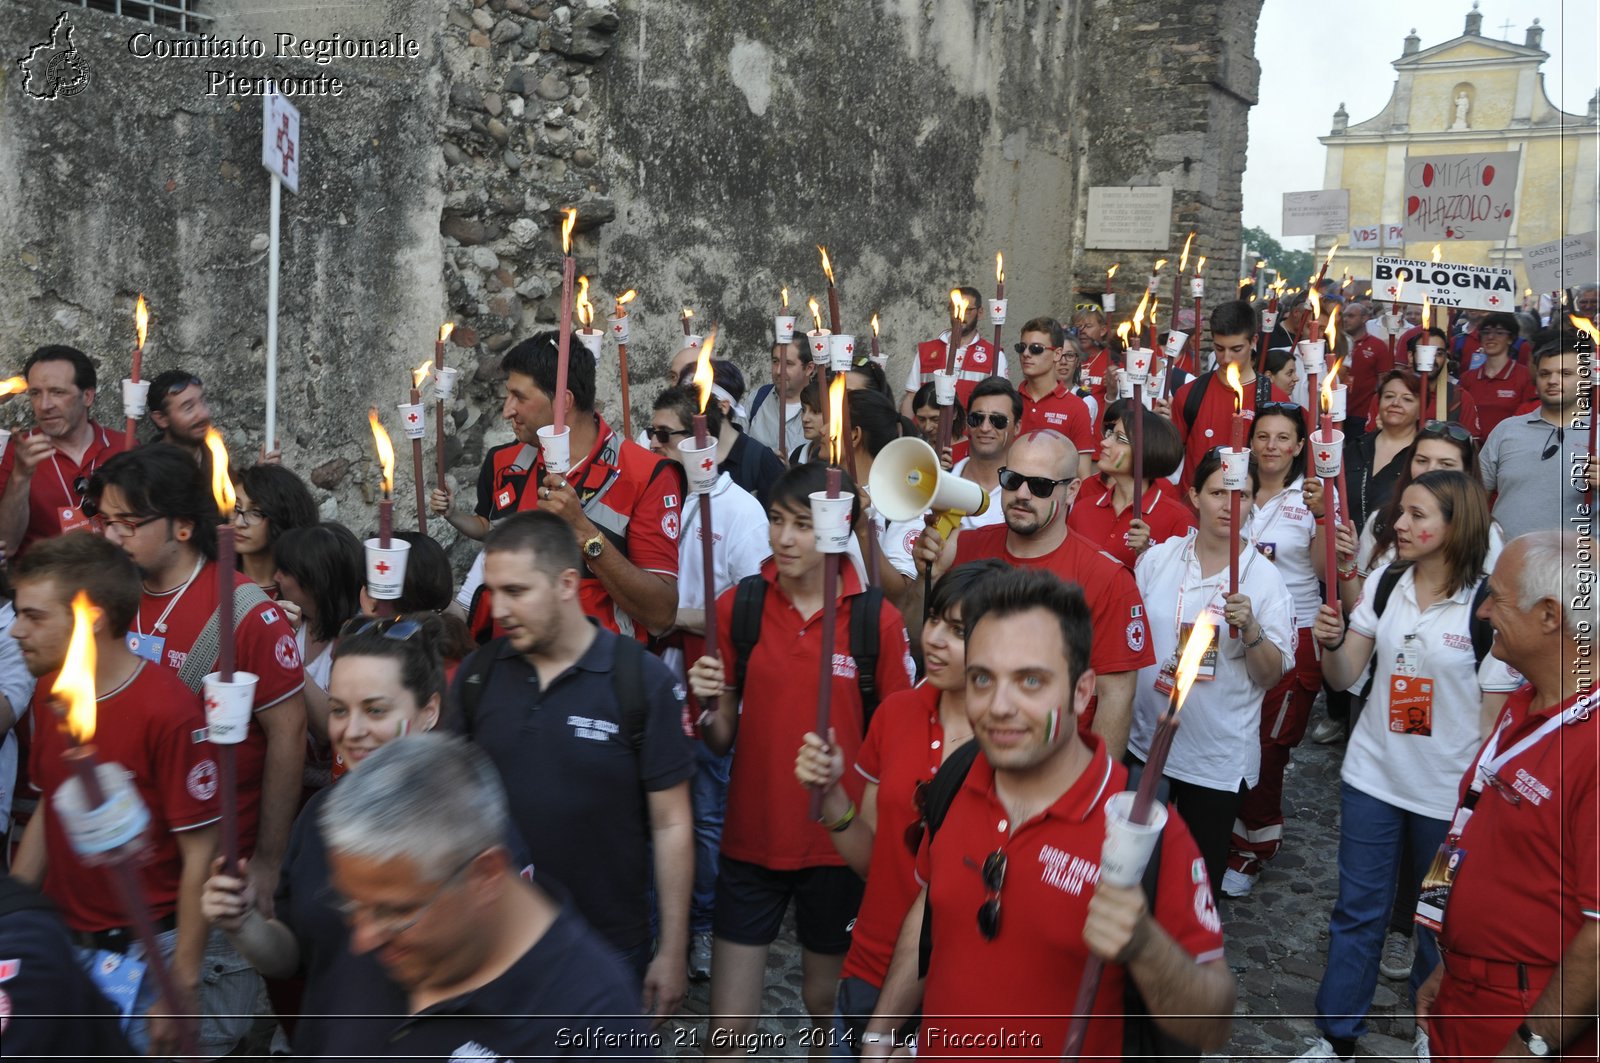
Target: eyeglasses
(398, 628)
(1031, 348)
(664, 435)
(248, 517)
(390, 921)
(1447, 430)
(1039, 486)
(994, 876)
(1000, 421)
(1553, 444)
(919, 826)
(125, 528)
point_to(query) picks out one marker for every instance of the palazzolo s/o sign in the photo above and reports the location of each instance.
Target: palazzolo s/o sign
(1407, 280)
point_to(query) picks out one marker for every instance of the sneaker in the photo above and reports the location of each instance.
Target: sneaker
(1237, 883)
(700, 957)
(1419, 1046)
(1320, 1049)
(1396, 961)
(1328, 731)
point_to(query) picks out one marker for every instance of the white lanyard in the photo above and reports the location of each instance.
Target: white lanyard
(1276, 504)
(1191, 560)
(161, 621)
(1491, 760)
(55, 463)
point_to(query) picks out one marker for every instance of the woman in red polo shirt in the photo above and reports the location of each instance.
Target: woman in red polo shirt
(911, 735)
(1103, 512)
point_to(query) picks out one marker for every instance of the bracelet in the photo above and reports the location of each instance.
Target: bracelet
(1261, 636)
(1346, 574)
(1342, 636)
(842, 824)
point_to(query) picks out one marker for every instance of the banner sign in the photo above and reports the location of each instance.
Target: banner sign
(1460, 197)
(1444, 283)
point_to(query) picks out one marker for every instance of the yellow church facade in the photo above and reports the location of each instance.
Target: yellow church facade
(1470, 94)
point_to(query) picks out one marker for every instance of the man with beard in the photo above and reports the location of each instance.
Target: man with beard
(179, 411)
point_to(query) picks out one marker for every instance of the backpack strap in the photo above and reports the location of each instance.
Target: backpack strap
(1197, 394)
(1386, 585)
(865, 615)
(762, 394)
(749, 598)
(476, 669)
(627, 683)
(1481, 630)
(940, 794)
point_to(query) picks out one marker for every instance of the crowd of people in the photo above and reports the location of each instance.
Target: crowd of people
(514, 814)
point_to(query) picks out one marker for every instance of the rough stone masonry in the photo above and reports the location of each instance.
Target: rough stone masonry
(708, 145)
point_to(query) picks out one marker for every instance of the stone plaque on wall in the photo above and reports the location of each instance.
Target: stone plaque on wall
(1126, 218)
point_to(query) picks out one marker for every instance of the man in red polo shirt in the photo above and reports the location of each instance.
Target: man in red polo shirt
(45, 473)
(146, 723)
(622, 502)
(1099, 351)
(1467, 350)
(976, 357)
(1369, 356)
(1233, 337)
(1037, 487)
(1501, 385)
(1046, 402)
(1013, 873)
(1519, 873)
(156, 505)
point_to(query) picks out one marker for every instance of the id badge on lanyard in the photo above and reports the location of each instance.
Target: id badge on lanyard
(1166, 681)
(149, 647)
(1410, 692)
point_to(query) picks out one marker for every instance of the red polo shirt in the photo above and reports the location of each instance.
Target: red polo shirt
(53, 490)
(1213, 424)
(1093, 518)
(1093, 373)
(1498, 395)
(149, 729)
(1061, 411)
(769, 821)
(975, 362)
(1121, 641)
(1014, 996)
(1369, 360)
(904, 748)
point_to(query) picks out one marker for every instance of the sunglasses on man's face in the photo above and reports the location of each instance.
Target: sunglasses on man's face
(1039, 486)
(1000, 421)
(664, 435)
(1034, 349)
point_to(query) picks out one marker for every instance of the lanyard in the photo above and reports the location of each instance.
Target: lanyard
(161, 621)
(55, 463)
(1491, 760)
(1276, 505)
(1191, 560)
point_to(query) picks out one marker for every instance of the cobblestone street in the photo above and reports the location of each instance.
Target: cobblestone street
(1276, 940)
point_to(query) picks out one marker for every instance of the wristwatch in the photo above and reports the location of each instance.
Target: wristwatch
(593, 547)
(1537, 1045)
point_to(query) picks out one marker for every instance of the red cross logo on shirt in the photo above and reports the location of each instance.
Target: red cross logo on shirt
(708, 465)
(382, 568)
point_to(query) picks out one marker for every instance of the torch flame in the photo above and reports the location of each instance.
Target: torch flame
(1436, 252)
(566, 229)
(626, 297)
(999, 267)
(1183, 261)
(1427, 312)
(221, 482)
(1112, 272)
(1122, 333)
(1261, 263)
(1159, 263)
(1327, 385)
(1238, 388)
(874, 322)
(1585, 326)
(1200, 266)
(445, 330)
(1193, 652)
(380, 441)
(584, 307)
(827, 267)
(958, 304)
(836, 418)
(1316, 304)
(1138, 314)
(1333, 326)
(687, 313)
(14, 386)
(420, 373)
(141, 319)
(702, 369)
(784, 295)
(816, 311)
(1527, 292)
(1329, 260)
(75, 684)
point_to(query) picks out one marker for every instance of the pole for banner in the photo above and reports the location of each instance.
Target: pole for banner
(272, 313)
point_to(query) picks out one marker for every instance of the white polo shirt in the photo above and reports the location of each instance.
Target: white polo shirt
(1421, 773)
(738, 541)
(995, 514)
(1219, 743)
(897, 539)
(1283, 529)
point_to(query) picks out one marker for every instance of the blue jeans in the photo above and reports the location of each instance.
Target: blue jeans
(708, 792)
(1372, 834)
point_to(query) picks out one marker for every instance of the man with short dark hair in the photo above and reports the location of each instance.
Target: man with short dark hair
(792, 369)
(46, 471)
(1020, 846)
(976, 357)
(178, 409)
(597, 784)
(991, 429)
(621, 503)
(1046, 402)
(1537, 465)
(1233, 339)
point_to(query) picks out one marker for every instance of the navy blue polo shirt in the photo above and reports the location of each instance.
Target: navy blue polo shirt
(576, 782)
(568, 995)
(304, 903)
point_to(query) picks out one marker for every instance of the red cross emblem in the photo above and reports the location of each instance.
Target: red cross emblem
(1139, 364)
(382, 568)
(212, 703)
(412, 417)
(849, 348)
(708, 465)
(1323, 455)
(1393, 290)
(617, 328)
(1494, 300)
(819, 347)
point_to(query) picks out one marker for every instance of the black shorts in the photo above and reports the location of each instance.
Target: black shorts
(752, 899)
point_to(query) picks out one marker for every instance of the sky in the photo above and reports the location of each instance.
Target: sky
(1344, 53)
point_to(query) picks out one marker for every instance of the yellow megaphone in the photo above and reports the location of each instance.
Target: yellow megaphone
(907, 480)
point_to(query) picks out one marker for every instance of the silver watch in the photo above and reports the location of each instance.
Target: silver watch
(1537, 1045)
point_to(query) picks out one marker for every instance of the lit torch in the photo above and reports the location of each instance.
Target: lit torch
(702, 480)
(1177, 282)
(1108, 298)
(830, 575)
(1236, 443)
(619, 330)
(385, 449)
(222, 491)
(833, 292)
(874, 354)
(141, 328)
(1197, 291)
(416, 427)
(1327, 449)
(569, 271)
(998, 309)
(958, 311)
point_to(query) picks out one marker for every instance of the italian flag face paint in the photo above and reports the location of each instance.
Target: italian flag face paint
(1052, 727)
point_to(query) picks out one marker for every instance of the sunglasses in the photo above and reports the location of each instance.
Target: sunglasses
(994, 876)
(664, 435)
(1086, 306)
(1039, 486)
(1031, 348)
(400, 628)
(1448, 430)
(1000, 421)
(1287, 409)
(919, 826)
(1553, 444)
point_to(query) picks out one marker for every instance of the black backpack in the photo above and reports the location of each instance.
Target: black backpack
(1197, 394)
(750, 597)
(1141, 1037)
(627, 683)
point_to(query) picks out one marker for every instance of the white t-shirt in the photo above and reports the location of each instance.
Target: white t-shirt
(995, 514)
(474, 580)
(16, 686)
(897, 540)
(1282, 529)
(1421, 773)
(1219, 741)
(738, 541)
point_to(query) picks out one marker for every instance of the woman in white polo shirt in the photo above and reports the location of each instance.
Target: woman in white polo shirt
(1282, 528)
(1415, 739)
(1216, 753)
